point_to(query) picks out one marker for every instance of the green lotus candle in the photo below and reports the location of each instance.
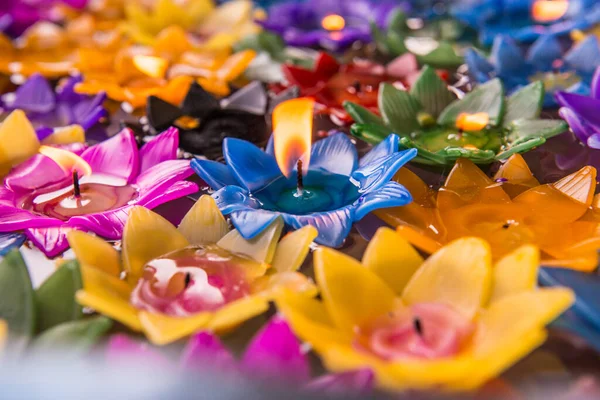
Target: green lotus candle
(484, 126)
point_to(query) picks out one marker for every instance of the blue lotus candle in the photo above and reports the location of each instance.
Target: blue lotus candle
(325, 186)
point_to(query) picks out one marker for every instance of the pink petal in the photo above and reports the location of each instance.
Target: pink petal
(402, 66)
(275, 353)
(108, 224)
(7, 196)
(161, 148)
(205, 351)
(160, 177)
(356, 383)
(178, 190)
(14, 219)
(117, 156)
(121, 349)
(51, 241)
(37, 172)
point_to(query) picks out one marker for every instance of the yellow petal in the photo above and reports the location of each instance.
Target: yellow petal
(110, 304)
(204, 224)
(162, 329)
(234, 314)
(516, 272)
(580, 186)
(270, 285)
(352, 294)
(18, 141)
(226, 16)
(66, 135)
(98, 282)
(458, 275)
(3, 334)
(146, 236)
(391, 257)
(293, 249)
(91, 251)
(261, 248)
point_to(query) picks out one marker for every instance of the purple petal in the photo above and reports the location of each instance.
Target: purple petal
(121, 349)
(14, 219)
(586, 107)
(160, 177)
(51, 241)
(596, 84)
(161, 148)
(35, 95)
(578, 126)
(117, 156)
(355, 383)
(108, 224)
(88, 112)
(275, 353)
(178, 190)
(204, 351)
(335, 154)
(37, 172)
(594, 141)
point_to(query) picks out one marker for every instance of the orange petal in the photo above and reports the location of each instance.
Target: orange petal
(579, 186)
(518, 174)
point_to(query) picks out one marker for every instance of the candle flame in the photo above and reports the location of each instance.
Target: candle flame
(333, 22)
(292, 133)
(154, 67)
(549, 10)
(68, 161)
(472, 122)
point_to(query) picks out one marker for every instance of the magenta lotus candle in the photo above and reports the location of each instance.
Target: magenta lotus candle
(91, 189)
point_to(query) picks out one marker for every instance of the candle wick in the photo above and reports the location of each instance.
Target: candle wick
(300, 180)
(418, 326)
(188, 279)
(76, 188)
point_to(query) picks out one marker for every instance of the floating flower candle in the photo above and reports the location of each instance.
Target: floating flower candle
(40, 195)
(429, 119)
(545, 61)
(509, 211)
(326, 186)
(182, 280)
(333, 25)
(451, 322)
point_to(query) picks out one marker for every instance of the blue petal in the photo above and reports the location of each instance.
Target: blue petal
(392, 194)
(9, 241)
(215, 174)
(507, 56)
(585, 56)
(376, 174)
(233, 198)
(270, 149)
(480, 68)
(333, 226)
(336, 154)
(587, 303)
(252, 167)
(252, 222)
(544, 52)
(383, 149)
(572, 323)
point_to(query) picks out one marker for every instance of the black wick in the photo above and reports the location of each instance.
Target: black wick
(76, 188)
(300, 179)
(418, 326)
(188, 279)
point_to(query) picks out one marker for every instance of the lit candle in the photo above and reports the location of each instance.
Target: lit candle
(549, 10)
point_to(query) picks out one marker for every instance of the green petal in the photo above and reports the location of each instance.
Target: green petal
(475, 155)
(521, 147)
(56, 297)
(263, 42)
(372, 134)
(17, 307)
(397, 21)
(488, 98)
(443, 56)
(395, 43)
(424, 154)
(362, 115)
(74, 338)
(523, 130)
(526, 103)
(431, 91)
(399, 109)
(379, 38)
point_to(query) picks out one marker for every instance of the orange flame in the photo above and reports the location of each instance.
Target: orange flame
(68, 161)
(292, 133)
(549, 10)
(333, 22)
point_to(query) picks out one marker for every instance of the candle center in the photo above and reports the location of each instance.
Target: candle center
(424, 331)
(193, 280)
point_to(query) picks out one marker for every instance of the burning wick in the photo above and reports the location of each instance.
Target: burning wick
(299, 182)
(418, 326)
(188, 279)
(76, 188)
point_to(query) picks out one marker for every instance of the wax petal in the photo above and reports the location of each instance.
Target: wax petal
(146, 236)
(335, 154)
(333, 226)
(234, 314)
(204, 351)
(385, 148)
(160, 177)
(35, 95)
(66, 135)
(507, 55)
(251, 98)
(121, 349)
(479, 66)
(234, 198)
(392, 194)
(260, 248)
(544, 51)
(392, 258)
(52, 241)
(92, 251)
(117, 156)
(293, 249)
(275, 353)
(595, 85)
(9, 241)
(459, 275)
(351, 293)
(250, 223)
(359, 382)
(108, 224)
(162, 329)
(215, 174)
(204, 224)
(177, 190)
(515, 175)
(585, 56)
(16, 148)
(14, 219)
(251, 167)
(516, 272)
(579, 186)
(26, 176)
(373, 176)
(584, 106)
(159, 149)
